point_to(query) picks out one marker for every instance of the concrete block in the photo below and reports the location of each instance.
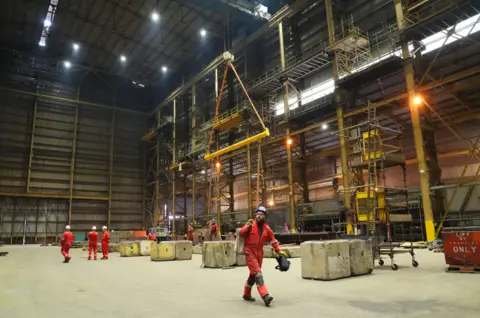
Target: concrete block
(241, 260)
(163, 251)
(183, 250)
(145, 247)
(218, 254)
(129, 249)
(361, 257)
(239, 242)
(325, 260)
(268, 251)
(197, 249)
(112, 248)
(293, 251)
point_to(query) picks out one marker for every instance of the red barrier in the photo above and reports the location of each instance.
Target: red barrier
(462, 249)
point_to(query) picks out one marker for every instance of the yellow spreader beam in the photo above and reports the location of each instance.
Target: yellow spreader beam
(237, 145)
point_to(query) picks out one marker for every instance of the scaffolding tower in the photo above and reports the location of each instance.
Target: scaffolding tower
(375, 145)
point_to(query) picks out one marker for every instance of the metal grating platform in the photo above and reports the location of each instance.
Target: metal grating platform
(296, 68)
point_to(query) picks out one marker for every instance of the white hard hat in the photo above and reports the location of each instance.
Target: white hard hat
(104, 227)
(94, 228)
(67, 227)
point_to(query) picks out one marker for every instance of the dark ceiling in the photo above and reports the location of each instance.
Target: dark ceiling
(107, 29)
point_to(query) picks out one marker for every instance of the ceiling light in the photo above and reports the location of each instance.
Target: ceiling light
(155, 16)
(47, 23)
(203, 171)
(203, 32)
(123, 58)
(67, 64)
(141, 85)
(289, 141)
(134, 82)
(76, 46)
(42, 42)
(417, 100)
(324, 127)
(164, 69)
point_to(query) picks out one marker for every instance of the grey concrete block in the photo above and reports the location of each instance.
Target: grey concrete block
(218, 254)
(183, 250)
(325, 260)
(361, 257)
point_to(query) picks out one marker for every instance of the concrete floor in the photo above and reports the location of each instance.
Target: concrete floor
(35, 283)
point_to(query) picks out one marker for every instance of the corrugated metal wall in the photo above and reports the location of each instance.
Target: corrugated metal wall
(55, 149)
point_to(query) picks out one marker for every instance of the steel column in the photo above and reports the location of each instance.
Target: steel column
(194, 196)
(286, 108)
(72, 165)
(32, 139)
(417, 129)
(340, 116)
(249, 176)
(174, 161)
(156, 206)
(110, 168)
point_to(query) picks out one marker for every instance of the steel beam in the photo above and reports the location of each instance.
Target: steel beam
(417, 129)
(74, 101)
(51, 196)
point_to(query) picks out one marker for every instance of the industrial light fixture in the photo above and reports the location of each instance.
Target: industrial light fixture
(123, 58)
(203, 171)
(417, 100)
(76, 46)
(164, 69)
(289, 141)
(155, 16)
(141, 85)
(324, 126)
(203, 32)
(270, 202)
(47, 23)
(218, 165)
(67, 64)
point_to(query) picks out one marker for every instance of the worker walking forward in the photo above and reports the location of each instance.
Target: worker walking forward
(214, 230)
(105, 241)
(256, 233)
(92, 243)
(190, 232)
(66, 243)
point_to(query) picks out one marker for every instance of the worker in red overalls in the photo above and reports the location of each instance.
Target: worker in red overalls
(152, 236)
(256, 233)
(66, 242)
(214, 230)
(105, 240)
(190, 232)
(92, 243)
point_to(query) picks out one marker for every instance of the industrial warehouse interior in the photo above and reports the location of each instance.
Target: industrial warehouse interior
(236, 157)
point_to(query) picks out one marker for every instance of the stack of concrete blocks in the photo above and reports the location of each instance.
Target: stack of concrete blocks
(361, 257)
(239, 249)
(325, 260)
(218, 254)
(129, 249)
(119, 236)
(171, 250)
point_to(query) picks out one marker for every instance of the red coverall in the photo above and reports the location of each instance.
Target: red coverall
(152, 237)
(190, 233)
(105, 240)
(67, 239)
(92, 244)
(213, 231)
(255, 238)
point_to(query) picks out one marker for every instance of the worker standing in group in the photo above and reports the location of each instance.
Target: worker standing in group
(214, 230)
(66, 243)
(92, 243)
(152, 236)
(256, 233)
(105, 241)
(190, 232)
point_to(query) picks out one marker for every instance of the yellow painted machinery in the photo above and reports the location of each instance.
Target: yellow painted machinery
(371, 207)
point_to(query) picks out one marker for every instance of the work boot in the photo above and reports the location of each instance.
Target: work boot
(267, 299)
(89, 258)
(95, 258)
(68, 259)
(248, 298)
